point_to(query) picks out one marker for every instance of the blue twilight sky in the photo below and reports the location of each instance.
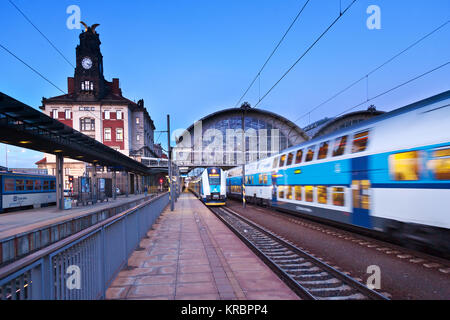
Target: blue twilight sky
(193, 57)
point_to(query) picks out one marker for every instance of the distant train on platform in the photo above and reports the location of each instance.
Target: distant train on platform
(210, 186)
(389, 175)
(20, 190)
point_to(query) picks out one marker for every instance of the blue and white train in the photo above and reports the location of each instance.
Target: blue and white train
(209, 186)
(20, 190)
(390, 174)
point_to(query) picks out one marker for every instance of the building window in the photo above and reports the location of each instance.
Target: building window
(107, 115)
(137, 137)
(55, 113)
(87, 86)
(119, 114)
(68, 114)
(119, 134)
(67, 171)
(107, 134)
(137, 120)
(404, 166)
(87, 124)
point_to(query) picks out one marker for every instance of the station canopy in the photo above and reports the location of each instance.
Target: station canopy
(24, 126)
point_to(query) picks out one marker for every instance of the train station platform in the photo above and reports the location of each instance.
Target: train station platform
(191, 255)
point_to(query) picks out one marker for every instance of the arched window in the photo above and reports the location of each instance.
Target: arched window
(87, 124)
(87, 86)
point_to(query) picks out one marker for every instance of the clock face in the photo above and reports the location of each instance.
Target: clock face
(86, 63)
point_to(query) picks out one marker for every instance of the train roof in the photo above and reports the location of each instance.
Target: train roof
(22, 174)
(402, 110)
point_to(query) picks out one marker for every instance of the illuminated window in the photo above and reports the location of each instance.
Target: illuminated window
(365, 194)
(298, 193)
(282, 160)
(260, 179)
(338, 196)
(309, 193)
(107, 134)
(29, 185)
(265, 179)
(322, 194)
(137, 120)
(20, 185)
(404, 166)
(310, 154)
(298, 157)
(323, 150)
(440, 164)
(119, 134)
(280, 191)
(289, 159)
(37, 185)
(9, 185)
(138, 137)
(289, 192)
(339, 146)
(360, 141)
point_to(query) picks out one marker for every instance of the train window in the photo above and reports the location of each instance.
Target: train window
(365, 193)
(339, 146)
(322, 194)
(309, 196)
(275, 162)
(29, 185)
(404, 166)
(440, 164)
(289, 192)
(265, 179)
(37, 185)
(20, 185)
(260, 178)
(323, 150)
(290, 158)
(9, 185)
(310, 154)
(46, 185)
(53, 185)
(338, 196)
(282, 160)
(298, 193)
(280, 191)
(299, 156)
(360, 141)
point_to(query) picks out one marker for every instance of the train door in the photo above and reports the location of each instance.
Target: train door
(274, 188)
(361, 193)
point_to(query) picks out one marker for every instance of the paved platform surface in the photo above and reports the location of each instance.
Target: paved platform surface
(190, 254)
(17, 222)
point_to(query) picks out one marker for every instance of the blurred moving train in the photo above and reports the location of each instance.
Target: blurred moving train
(390, 174)
(209, 186)
(20, 190)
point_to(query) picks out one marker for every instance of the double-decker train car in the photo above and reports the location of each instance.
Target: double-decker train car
(20, 190)
(390, 174)
(209, 186)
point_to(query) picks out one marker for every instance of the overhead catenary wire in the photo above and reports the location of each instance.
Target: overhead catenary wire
(395, 88)
(30, 67)
(42, 34)
(373, 71)
(274, 50)
(306, 52)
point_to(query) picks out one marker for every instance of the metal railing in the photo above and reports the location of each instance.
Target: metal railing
(81, 266)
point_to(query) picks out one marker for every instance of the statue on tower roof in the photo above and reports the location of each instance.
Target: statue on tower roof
(91, 28)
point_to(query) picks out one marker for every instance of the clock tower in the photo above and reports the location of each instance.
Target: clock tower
(89, 83)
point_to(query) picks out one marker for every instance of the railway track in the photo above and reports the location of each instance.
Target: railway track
(309, 277)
